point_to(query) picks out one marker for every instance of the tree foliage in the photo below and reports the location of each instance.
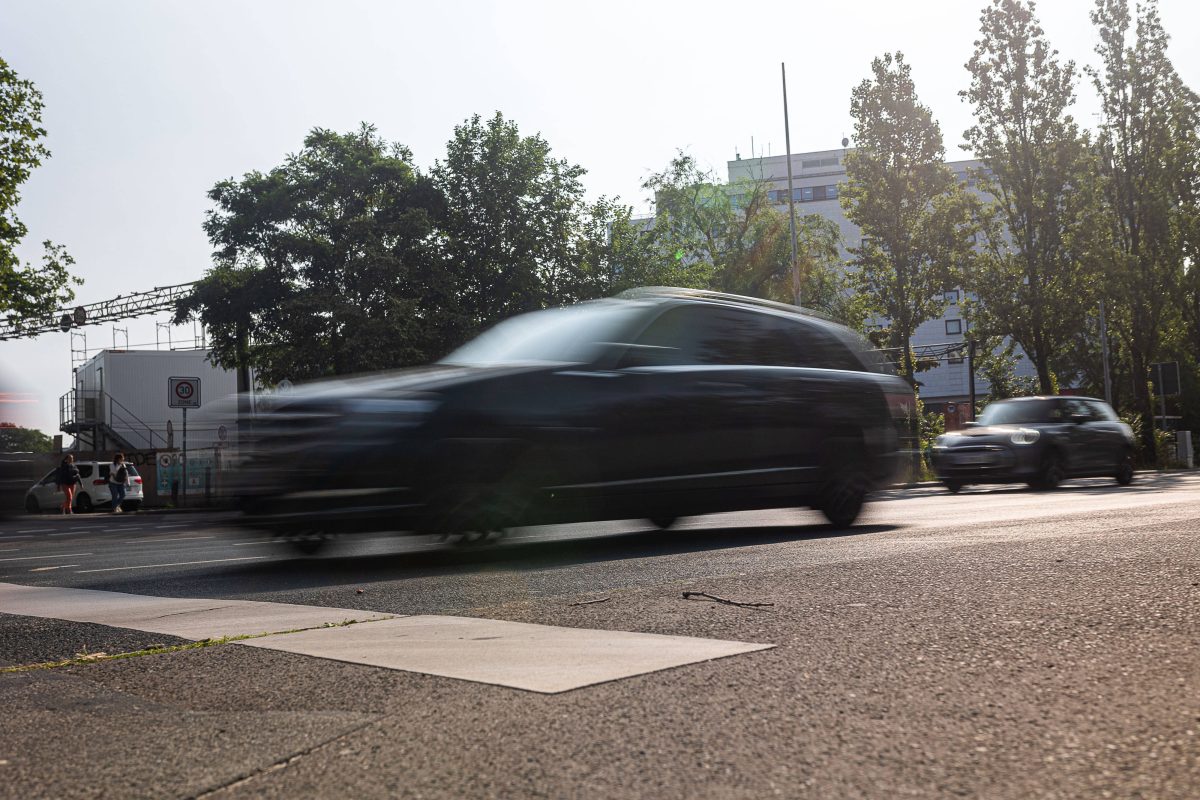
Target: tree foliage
(1148, 152)
(14, 439)
(25, 290)
(326, 264)
(913, 214)
(1034, 278)
(731, 238)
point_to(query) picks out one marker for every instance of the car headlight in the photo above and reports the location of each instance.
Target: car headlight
(1025, 436)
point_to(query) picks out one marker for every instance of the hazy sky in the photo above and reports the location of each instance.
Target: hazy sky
(148, 104)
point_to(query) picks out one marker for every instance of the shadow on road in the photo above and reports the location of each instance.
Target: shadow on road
(336, 567)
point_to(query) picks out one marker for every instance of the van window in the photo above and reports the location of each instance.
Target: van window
(85, 470)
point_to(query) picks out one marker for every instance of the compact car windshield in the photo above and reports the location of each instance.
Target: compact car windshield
(1023, 412)
(567, 335)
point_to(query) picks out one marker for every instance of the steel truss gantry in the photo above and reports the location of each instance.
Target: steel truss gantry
(161, 298)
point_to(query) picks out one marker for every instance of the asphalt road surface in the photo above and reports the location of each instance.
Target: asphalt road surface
(999, 643)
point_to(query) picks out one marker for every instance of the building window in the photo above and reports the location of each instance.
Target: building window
(953, 327)
(806, 194)
(818, 193)
(951, 296)
(819, 162)
(831, 192)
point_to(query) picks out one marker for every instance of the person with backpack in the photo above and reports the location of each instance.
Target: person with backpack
(67, 477)
(118, 481)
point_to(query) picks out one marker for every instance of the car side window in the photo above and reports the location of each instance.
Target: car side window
(1074, 408)
(1103, 411)
(816, 348)
(85, 470)
(49, 479)
(104, 471)
(698, 334)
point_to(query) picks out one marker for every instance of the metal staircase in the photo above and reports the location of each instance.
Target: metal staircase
(99, 421)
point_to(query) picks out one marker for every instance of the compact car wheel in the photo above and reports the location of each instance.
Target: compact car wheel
(84, 504)
(1050, 475)
(954, 487)
(31, 505)
(1124, 473)
(663, 521)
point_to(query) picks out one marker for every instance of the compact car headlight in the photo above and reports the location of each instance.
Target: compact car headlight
(1025, 436)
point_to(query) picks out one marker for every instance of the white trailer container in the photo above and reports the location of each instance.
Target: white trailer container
(121, 400)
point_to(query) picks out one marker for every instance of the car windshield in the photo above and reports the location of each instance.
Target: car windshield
(562, 335)
(1021, 412)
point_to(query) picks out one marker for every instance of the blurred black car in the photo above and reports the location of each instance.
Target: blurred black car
(1037, 440)
(656, 405)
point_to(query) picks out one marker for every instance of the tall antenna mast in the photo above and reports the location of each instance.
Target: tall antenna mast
(787, 134)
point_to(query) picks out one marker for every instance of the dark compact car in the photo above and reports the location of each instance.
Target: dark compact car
(655, 405)
(1039, 441)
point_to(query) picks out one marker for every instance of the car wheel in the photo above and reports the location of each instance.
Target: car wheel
(84, 504)
(134, 506)
(31, 505)
(663, 521)
(844, 494)
(954, 487)
(1124, 473)
(307, 541)
(1050, 475)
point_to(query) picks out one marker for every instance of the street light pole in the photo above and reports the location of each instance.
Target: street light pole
(787, 143)
(1104, 353)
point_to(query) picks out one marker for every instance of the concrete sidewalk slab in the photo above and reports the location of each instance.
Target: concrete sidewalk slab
(194, 619)
(537, 658)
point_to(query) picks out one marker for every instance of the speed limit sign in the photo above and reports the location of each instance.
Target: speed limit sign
(183, 392)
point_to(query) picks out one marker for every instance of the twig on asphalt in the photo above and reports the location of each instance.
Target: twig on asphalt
(591, 602)
(706, 595)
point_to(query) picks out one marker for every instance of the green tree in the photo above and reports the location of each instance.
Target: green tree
(14, 439)
(731, 238)
(326, 265)
(518, 234)
(914, 216)
(1034, 279)
(25, 290)
(1148, 152)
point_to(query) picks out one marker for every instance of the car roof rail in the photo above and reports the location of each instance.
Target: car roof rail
(720, 297)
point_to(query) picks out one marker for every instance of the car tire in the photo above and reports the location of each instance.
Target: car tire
(134, 506)
(663, 521)
(1124, 471)
(306, 541)
(845, 492)
(953, 487)
(84, 504)
(31, 505)
(1050, 473)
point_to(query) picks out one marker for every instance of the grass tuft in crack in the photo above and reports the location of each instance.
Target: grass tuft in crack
(92, 658)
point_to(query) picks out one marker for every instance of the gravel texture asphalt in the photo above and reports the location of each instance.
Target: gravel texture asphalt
(994, 644)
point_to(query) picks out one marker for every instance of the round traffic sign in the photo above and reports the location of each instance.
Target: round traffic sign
(164, 460)
(184, 390)
(222, 432)
(951, 408)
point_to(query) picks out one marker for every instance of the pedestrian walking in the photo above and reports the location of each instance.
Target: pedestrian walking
(67, 478)
(118, 481)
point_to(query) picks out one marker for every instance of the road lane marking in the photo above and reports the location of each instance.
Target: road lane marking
(172, 539)
(30, 530)
(6, 538)
(47, 569)
(176, 564)
(10, 550)
(537, 658)
(32, 558)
